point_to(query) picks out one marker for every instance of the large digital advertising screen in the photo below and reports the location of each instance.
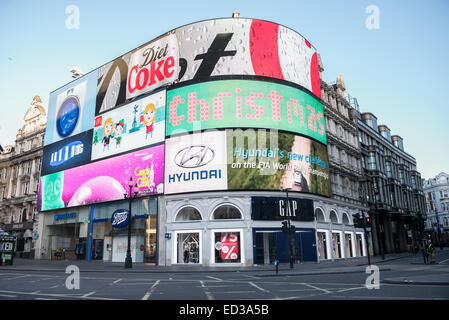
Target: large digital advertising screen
(104, 180)
(135, 125)
(196, 162)
(276, 161)
(140, 71)
(244, 104)
(247, 47)
(71, 109)
(68, 153)
(206, 49)
(251, 159)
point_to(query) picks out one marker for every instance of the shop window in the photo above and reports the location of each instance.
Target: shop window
(333, 217)
(188, 247)
(319, 215)
(322, 245)
(227, 247)
(227, 212)
(188, 214)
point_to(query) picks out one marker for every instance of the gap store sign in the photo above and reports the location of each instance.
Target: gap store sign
(244, 104)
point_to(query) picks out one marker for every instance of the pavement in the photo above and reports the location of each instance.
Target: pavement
(354, 265)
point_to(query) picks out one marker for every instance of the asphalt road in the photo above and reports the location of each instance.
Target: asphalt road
(40, 285)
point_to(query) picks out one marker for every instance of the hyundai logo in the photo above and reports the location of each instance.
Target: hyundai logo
(194, 156)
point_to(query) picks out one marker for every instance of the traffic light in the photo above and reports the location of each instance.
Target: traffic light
(368, 222)
(357, 222)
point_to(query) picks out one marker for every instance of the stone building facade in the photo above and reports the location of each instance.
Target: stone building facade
(20, 169)
(391, 186)
(436, 191)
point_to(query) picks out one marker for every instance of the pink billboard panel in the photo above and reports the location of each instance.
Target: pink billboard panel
(104, 180)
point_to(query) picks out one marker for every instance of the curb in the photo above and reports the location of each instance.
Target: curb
(317, 273)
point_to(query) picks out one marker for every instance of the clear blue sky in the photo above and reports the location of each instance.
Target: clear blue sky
(399, 72)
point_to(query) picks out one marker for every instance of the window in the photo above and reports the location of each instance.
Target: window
(227, 247)
(388, 169)
(227, 212)
(319, 215)
(188, 214)
(345, 219)
(333, 217)
(372, 161)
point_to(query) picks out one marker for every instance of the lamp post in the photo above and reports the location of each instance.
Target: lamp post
(290, 230)
(439, 229)
(362, 197)
(128, 260)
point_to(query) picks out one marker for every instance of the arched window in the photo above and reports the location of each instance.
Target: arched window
(333, 217)
(226, 212)
(188, 214)
(346, 220)
(319, 215)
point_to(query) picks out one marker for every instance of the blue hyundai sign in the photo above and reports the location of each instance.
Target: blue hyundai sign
(120, 218)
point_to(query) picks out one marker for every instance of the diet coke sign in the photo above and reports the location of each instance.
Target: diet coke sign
(153, 65)
(120, 218)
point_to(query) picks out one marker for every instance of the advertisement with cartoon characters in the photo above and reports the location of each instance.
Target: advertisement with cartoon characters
(105, 180)
(132, 126)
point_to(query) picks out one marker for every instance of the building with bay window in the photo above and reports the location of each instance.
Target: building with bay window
(391, 187)
(20, 172)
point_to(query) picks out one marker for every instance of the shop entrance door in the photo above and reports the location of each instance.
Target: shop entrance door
(97, 250)
(188, 247)
(305, 246)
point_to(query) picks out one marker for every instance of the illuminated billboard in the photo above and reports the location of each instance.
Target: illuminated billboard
(142, 70)
(236, 159)
(132, 126)
(68, 153)
(259, 160)
(244, 104)
(247, 47)
(71, 109)
(206, 49)
(196, 162)
(104, 180)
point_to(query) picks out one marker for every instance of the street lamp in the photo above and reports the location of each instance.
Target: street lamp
(439, 229)
(128, 260)
(290, 230)
(363, 200)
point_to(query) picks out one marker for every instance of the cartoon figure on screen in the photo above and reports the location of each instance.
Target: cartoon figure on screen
(107, 133)
(118, 133)
(149, 116)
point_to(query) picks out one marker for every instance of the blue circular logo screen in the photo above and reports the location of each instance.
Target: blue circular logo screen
(67, 117)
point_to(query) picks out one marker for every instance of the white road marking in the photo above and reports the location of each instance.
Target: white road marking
(7, 296)
(88, 294)
(247, 275)
(256, 286)
(148, 294)
(316, 288)
(215, 278)
(206, 291)
(116, 281)
(18, 277)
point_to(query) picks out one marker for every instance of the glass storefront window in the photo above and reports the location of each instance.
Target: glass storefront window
(227, 247)
(336, 245)
(227, 212)
(188, 247)
(348, 238)
(322, 245)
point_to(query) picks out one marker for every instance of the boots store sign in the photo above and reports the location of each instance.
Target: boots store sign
(206, 49)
